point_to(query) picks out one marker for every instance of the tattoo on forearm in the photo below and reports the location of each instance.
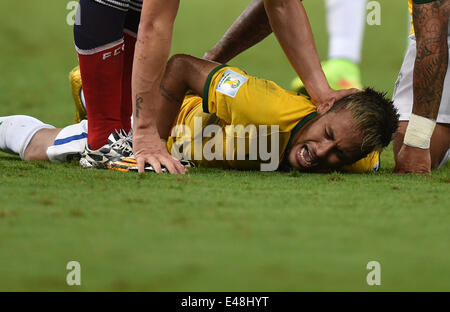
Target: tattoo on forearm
(431, 24)
(139, 101)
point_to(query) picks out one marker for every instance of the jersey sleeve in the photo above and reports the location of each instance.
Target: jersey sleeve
(241, 99)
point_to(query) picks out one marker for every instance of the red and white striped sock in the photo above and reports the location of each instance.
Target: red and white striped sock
(102, 74)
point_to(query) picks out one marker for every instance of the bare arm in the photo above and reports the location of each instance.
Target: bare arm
(430, 68)
(291, 26)
(183, 73)
(431, 27)
(151, 54)
(290, 23)
(250, 27)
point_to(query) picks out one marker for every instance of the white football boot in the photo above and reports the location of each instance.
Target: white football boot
(119, 145)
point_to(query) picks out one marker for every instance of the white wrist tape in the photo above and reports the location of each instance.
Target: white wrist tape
(419, 132)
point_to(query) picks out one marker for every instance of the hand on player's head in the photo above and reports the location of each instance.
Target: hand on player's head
(333, 96)
(344, 132)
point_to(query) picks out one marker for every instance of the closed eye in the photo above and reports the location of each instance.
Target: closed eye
(329, 134)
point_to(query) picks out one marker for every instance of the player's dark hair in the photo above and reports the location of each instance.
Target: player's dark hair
(374, 114)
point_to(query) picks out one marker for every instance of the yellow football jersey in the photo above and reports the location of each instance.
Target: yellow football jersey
(370, 163)
(410, 8)
(238, 113)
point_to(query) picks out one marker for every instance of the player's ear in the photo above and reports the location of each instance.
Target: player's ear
(324, 107)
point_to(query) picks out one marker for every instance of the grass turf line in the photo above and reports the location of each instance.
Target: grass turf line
(212, 229)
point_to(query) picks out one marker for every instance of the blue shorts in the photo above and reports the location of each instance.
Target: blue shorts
(102, 22)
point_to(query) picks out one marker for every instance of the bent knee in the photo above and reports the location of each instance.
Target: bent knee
(37, 148)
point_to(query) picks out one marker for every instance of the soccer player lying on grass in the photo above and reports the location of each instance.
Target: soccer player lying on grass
(240, 122)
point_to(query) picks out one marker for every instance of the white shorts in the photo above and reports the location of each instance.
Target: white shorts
(403, 93)
(69, 143)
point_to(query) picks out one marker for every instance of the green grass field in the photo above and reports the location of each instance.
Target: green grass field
(210, 230)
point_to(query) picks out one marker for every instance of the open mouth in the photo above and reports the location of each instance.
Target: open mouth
(304, 157)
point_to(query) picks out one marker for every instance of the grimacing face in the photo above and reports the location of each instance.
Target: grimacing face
(327, 142)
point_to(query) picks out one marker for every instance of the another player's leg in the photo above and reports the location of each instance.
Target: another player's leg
(100, 46)
(26, 136)
(119, 142)
(129, 37)
(32, 139)
(345, 21)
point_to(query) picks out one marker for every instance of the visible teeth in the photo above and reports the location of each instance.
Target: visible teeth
(303, 157)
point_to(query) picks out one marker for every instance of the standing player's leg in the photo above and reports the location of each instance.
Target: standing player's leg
(345, 23)
(32, 139)
(345, 20)
(100, 45)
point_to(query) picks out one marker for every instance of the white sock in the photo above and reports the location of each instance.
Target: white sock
(17, 131)
(345, 21)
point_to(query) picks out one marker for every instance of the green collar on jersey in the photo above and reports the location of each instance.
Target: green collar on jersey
(300, 125)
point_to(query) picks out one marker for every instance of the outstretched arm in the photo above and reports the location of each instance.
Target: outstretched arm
(431, 27)
(291, 26)
(151, 54)
(250, 27)
(289, 22)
